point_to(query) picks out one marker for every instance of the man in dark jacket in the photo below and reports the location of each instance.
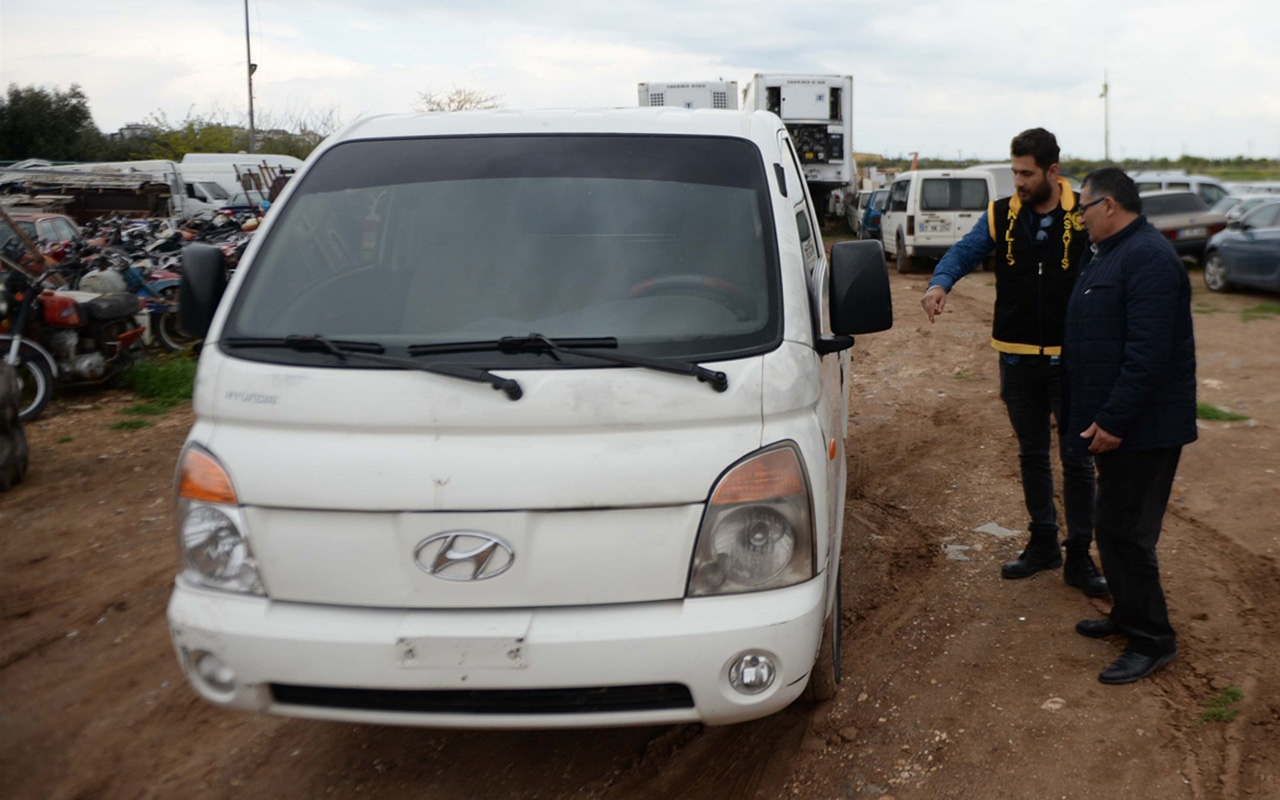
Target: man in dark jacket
(1038, 244)
(1129, 357)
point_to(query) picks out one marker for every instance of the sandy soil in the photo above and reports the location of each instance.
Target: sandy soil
(957, 684)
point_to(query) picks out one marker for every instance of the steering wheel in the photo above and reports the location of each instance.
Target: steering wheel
(719, 290)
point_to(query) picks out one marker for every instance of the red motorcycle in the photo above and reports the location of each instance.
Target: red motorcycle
(62, 338)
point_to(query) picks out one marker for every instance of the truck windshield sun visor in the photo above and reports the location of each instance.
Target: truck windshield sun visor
(657, 247)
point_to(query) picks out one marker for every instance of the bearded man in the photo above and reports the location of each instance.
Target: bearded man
(1039, 243)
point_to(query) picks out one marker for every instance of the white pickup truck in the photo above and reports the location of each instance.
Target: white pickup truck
(524, 419)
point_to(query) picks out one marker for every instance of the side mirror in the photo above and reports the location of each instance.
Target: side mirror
(204, 279)
(1235, 224)
(860, 298)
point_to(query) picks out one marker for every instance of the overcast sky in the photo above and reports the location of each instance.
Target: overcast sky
(945, 78)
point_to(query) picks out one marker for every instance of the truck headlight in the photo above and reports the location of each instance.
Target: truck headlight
(757, 531)
(211, 528)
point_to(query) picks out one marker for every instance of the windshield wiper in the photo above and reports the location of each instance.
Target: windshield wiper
(510, 344)
(537, 343)
(372, 351)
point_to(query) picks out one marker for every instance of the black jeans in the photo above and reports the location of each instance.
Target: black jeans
(1133, 492)
(1031, 387)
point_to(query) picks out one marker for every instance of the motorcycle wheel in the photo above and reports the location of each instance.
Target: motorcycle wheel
(170, 336)
(35, 386)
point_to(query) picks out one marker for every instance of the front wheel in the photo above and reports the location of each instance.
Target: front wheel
(35, 386)
(824, 678)
(904, 261)
(1215, 273)
(170, 335)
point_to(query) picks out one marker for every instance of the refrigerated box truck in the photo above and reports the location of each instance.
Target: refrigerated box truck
(818, 113)
(690, 94)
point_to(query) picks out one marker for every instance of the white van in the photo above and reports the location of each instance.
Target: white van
(1210, 190)
(931, 209)
(524, 419)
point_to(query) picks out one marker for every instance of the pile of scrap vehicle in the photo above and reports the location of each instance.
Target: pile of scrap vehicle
(519, 419)
(90, 259)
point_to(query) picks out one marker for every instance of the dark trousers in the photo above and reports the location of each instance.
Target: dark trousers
(1031, 387)
(1133, 492)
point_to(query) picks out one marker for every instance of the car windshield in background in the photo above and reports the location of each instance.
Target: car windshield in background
(1182, 203)
(6, 232)
(664, 243)
(953, 194)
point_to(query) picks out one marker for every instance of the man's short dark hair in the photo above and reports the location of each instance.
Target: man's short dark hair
(1037, 143)
(1114, 183)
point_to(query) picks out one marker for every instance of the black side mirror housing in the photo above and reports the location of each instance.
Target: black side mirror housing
(860, 298)
(204, 280)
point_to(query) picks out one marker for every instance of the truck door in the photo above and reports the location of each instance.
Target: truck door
(832, 410)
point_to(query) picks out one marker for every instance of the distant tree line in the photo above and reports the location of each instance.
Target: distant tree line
(58, 126)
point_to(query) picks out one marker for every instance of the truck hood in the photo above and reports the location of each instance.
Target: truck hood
(389, 440)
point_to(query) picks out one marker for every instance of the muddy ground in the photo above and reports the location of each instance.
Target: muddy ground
(957, 684)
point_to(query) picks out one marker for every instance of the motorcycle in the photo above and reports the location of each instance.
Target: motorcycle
(68, 338)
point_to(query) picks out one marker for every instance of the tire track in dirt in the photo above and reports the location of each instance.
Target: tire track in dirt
(1228, 640)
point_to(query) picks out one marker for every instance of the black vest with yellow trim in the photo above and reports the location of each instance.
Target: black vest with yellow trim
(1033, 280)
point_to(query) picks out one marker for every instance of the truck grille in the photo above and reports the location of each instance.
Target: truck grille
(651, 697)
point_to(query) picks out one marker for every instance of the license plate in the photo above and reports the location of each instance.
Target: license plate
(1186, 233)
(933, 227)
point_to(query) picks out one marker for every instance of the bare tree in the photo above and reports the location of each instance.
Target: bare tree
(459, 98)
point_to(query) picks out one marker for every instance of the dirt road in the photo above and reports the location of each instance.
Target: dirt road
(957, 684)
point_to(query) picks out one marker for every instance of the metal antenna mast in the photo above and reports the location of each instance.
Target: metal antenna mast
(252, 68)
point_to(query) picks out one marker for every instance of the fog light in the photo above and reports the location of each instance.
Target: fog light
(752, 673)
(213, 672)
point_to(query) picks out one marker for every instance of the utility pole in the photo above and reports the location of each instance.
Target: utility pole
(1106, 119)
(252, 68)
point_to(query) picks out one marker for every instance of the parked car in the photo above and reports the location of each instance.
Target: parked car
(244, 201)
(931, 209)
(1248, 204)
(1208, 189)
(864, 220)
(45, 229)
(1184, 219)
(1247, 252)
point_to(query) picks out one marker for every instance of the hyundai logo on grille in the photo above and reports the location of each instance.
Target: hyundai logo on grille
(464, 556)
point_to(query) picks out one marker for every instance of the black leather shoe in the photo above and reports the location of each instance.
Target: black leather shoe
(1097, 628)
(1033, 559)
(1130, 667)
(1081, 573)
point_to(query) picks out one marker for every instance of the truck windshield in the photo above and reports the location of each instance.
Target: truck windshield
(665, 243)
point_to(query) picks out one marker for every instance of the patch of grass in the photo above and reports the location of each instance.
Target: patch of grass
(1221, 707)
(1261, 311)
(962, 374)
(131, 425)
(1200, 308)
(1214, 414)
(147, 409)
(166, 381)
(66, 439)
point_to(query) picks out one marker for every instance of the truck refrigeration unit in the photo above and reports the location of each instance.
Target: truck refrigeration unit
(690, 94)
(818, 113)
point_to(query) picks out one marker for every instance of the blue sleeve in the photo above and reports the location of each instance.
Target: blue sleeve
(964, 256)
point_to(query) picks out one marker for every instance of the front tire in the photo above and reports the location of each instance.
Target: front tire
(171, 336)
(35, 386)
(13, 441)
(824, 678)
(1215, 273)
(905, 265)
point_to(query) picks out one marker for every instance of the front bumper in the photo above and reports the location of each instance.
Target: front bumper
(367, 657)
